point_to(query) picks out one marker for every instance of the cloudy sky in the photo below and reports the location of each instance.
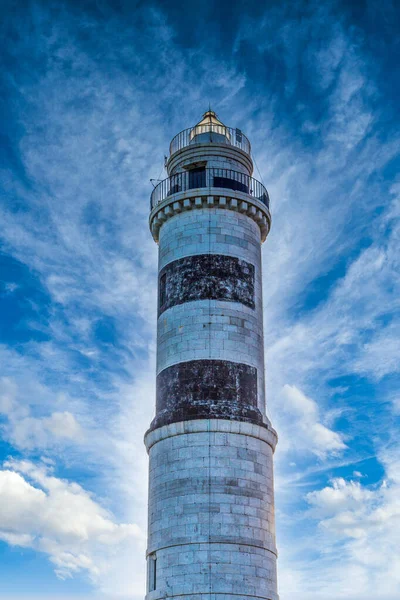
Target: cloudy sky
(91, 94)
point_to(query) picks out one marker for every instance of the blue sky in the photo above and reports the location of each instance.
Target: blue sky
(91, 94)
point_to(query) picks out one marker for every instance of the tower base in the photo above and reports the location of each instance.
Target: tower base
(211, 511)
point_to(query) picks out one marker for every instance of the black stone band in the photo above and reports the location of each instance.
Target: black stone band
(207, 389)
(206, 277)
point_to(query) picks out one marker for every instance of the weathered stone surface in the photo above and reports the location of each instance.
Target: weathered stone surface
(214, 389)
(211, 514)
(206, 276)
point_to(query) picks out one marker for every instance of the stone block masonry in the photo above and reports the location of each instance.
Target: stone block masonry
(211, 532)
(211, 510)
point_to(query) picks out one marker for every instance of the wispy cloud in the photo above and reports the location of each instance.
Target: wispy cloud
(92, 107)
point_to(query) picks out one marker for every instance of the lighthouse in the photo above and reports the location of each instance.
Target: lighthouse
(211, 531)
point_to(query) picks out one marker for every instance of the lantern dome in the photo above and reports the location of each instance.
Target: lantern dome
(210, 129)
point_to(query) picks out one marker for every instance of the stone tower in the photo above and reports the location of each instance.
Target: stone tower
(211, 528)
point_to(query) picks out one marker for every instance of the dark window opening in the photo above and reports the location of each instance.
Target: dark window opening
(163, 290)
(231, 184)
(152, 572)
(197, 178)
(175, 184)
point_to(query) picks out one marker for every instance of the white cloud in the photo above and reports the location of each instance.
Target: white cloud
(302, 428)
(355, 549)
(10, 287)
(95, 161)
(31, 432)
(358, 474)
(340, 497)
(380, 357)
(63, 424)
(25, 431)
(59, 518)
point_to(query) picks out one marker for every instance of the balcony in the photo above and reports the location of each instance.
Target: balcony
(209, 178)
(210, 133)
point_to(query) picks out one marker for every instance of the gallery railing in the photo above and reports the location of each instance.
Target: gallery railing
(210, 178)
(202, 134)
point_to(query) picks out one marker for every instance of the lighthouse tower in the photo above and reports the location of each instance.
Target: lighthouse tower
(211, 531)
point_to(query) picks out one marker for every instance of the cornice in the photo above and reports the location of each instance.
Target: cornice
(210, 198)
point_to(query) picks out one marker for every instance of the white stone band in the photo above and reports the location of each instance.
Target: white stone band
(207, 595)
(266, 434)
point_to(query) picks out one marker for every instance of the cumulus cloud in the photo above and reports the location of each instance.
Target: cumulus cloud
(303, 429)
(355, 548)
(341, 497)
(364, 522)
(59, 518)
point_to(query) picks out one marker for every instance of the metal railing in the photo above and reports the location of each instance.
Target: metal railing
(202, 134)
(212, 177)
